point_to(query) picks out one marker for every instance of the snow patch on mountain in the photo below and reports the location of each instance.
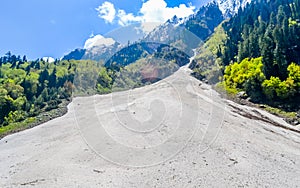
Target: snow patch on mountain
(98, 41)
(231, 7)
(48, 59)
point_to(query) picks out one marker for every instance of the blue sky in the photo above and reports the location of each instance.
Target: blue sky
(39, 28)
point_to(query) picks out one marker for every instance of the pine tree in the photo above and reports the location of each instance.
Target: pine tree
(268, 46)
(24, 58)
(52, 78)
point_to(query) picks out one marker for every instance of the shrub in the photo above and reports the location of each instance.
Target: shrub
(245, 76)
(275, 89)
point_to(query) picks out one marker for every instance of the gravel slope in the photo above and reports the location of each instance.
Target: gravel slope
(189, 137)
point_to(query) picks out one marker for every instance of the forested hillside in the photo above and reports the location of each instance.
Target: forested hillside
(137, 51)
(257, 51)
(203, 23)
(30, 88)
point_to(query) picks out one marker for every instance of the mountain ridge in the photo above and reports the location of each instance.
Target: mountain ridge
(201, 24)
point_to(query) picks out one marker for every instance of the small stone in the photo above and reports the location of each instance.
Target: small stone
(242, 95)
(262, 106)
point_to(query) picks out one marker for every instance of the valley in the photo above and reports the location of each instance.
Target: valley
(211, 99)
(218, 148)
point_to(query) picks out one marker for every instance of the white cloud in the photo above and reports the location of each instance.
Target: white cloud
(98, 40)
(181, 11)
(151, 11)
(107, 11)
(154, 10)
(126, 19)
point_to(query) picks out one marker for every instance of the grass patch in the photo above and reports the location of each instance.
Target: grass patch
(280, 112)
(16, 127)
(290, 117)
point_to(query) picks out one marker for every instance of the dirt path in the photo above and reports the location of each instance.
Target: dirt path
(174, 133)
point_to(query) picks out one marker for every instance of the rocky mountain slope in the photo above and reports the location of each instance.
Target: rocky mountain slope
(201, 24)
(97, 48)
(184, 34)
(231, 7)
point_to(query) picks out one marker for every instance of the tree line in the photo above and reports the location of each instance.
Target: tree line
(257, 51)
(28, 88)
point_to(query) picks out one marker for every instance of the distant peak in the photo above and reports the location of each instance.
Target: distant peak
(231, 7)
(98, 40)
(48, 59)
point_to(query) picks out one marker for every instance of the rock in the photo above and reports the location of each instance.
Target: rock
(99, 171)
(242, 95)
(292, 121)
(242, 102)
(298, 114)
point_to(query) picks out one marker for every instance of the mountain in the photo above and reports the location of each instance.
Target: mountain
(76, 54)
(230, 7)
(182, 33)
(147, 50)
(100, 48)
(198, 26)
(189, 33)
(202, 23)
(96, 48)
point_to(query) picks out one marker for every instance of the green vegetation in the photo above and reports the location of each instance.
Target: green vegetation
(268, 29)
(248, 76)
(14, 127)
(142, 72)
(257, 52)
(280, 112)
(245, 76)
(207, 63)
(31, 88)
(205, 21)
(137, 51)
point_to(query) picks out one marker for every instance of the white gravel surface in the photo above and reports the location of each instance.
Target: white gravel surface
(174, 133)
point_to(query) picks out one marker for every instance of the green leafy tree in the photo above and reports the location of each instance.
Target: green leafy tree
(239, 76)
(275, 89)
(30, 85)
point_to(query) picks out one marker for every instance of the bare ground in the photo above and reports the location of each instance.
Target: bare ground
(227, 145)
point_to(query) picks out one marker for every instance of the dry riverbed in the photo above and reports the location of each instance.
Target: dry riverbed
(173, 133)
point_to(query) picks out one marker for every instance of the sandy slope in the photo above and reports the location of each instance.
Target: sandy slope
(189, 137)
